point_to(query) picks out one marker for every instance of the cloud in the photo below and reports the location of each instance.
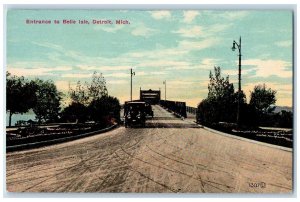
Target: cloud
(117, 82)
(202, 31)
(231, 15)
(204, 64)
(61, 68)
(29, 72)
(48, 45)
(181, 49)
(76, 75)
(211, 62)
(189, 16)
(104, 68)
(158, 15)
(234, 72)
(118, 75)
(158, 73)
(266, 68)
(163, 63)
(62, 85)
(143, 31)
(157, 53)
(142, 73)
(217, 28)
(279, 87)
(36, 71)
(283, 91)
(180, 83)
(287, 43)
(198, 45)
(195, 31)
(109, 28)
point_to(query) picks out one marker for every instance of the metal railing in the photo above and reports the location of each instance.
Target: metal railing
(191, 110)
(178, 108)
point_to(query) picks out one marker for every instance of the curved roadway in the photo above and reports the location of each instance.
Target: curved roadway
(169, 155)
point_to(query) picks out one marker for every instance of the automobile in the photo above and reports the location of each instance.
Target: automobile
(148, 109)
(134, 113)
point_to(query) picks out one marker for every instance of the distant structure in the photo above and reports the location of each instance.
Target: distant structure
(150, 96)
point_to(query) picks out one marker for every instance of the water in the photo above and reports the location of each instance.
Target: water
(19, 117)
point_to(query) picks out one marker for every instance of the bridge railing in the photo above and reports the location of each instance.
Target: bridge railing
(179, 108)
(191, 110)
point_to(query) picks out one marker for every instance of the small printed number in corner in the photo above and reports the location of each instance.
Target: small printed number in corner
(257, 185)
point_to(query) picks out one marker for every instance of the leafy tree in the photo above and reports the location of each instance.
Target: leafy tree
(91, 102)
(221, 102)
(48, 101)
(75, 112)
(85, 94)
(218, 86)
(262, 99)
(97, 88)
(79, 95)
(20, 95)
(104, 109)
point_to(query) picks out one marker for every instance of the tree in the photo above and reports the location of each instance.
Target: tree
(104, 109)
(88, 92)
(20, 95)
(79, 95)
(75, 112)
(221, 102)
(91, 102)
(262, 99)
(219, 87)
(97, 88)
(48, 101)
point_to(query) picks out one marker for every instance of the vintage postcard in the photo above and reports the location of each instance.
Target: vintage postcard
(149, 101)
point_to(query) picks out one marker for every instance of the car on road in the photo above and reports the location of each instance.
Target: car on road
(134, 113)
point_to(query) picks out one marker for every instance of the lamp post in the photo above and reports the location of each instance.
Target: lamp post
(239, 46)
(165, 82)
(131, 74)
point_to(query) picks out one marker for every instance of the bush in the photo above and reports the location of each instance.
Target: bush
(105, 109)
(75, 112)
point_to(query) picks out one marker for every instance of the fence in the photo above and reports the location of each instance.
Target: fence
(191, 110)
(179, 108)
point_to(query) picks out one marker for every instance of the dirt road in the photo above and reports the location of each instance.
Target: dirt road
(170, 155)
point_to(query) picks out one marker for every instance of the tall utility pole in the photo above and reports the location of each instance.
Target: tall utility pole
(131, 74)
(239, 92)
(165, 82)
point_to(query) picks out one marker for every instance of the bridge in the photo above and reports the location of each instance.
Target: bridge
(169, 155)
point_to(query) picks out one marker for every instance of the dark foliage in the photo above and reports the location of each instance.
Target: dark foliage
(221, 102)
(47, 106)
(262, 99)
(105, 109)
(283, 119)
(219, 109)
(90, 102)
(20, 95)
(75, 112)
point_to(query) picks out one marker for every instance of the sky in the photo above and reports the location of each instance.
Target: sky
(179, 46)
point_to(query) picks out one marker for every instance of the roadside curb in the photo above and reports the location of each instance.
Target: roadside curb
(247, 140)
(58, 140)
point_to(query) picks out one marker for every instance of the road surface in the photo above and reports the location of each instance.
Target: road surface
(170, 155)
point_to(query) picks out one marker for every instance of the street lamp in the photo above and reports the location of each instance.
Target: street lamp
(165, 82)
(131, 74)
(239, 46)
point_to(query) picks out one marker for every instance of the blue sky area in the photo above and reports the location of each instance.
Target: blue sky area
(178, 46)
